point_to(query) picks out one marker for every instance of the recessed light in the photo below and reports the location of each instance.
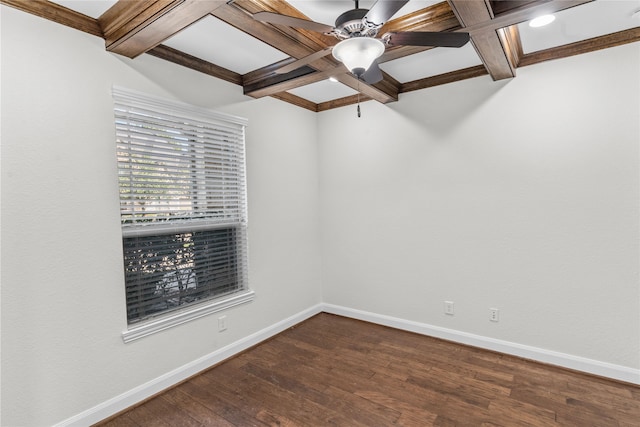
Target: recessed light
(541, 21)
(333, 79)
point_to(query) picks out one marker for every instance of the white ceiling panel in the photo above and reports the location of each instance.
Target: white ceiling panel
(217, 42)
(431, 62)
(323, 91)
(581, 23)
(326, 12)
(92, 8)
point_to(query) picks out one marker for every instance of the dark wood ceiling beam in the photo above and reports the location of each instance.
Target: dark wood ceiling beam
(283, 82)
(342, 102)
(123, 12)
(493, 54)
(197, 64)
(286, 40)
(261, 74)
(438, 17)
(590, 45)
(265, 72)
(286, 43)
(296, 100)
(131, 28)
(56, 13)
(510, 39)
(441, 79)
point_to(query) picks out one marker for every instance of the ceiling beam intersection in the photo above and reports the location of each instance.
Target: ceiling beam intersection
(495, 56)
(438, 17)
(295, 43)
(132, 28)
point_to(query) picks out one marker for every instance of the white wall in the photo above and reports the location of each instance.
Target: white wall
(521, 195)
(63, 305)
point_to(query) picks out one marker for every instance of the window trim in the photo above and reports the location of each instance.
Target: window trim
(162, 322)
(158, 324)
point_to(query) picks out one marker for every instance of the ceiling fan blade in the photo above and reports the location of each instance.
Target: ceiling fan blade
(276, 18)
(373, 74)
(382, 10)
(417, 38)
(304, 61)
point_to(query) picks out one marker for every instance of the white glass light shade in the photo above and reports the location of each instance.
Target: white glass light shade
(358, 53)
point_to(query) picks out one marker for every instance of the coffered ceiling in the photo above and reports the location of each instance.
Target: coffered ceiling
(221, 38)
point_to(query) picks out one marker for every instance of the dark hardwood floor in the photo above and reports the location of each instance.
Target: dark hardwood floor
(330, 370)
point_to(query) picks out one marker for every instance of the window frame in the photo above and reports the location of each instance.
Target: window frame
(164, 227)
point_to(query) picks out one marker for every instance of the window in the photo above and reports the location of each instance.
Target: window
(183, 210)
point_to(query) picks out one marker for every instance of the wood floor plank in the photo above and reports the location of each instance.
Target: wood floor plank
(502, 408)
(198, 411)
(271, 419)
(167, 412)
(408, 413)
(278, 399)
(331, 370)
(227, 406)
(538, 396)
(360, 410)
(144, 415)
(425, 397)
(452, 390)
(121, 421)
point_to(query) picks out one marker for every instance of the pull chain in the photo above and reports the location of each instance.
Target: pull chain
(358, 97)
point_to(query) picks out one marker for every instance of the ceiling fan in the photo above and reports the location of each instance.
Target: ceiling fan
(359, 46)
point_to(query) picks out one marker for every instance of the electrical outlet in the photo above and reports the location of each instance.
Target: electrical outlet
(222, 323)
(448, 308)
(494, 314)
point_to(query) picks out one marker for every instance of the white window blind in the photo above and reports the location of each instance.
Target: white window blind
(183, 207)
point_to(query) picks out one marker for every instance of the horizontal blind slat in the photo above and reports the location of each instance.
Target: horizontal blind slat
(183, 203)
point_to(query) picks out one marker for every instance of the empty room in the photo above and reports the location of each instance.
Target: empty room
(312, 212)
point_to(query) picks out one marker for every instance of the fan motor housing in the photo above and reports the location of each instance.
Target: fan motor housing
(352, 24)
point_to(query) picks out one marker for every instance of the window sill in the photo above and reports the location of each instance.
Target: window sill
(158, 325)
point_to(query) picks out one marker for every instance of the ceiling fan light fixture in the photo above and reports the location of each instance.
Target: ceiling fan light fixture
(358, 53)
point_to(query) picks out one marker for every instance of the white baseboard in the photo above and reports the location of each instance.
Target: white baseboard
(144, 391)
(609, 370)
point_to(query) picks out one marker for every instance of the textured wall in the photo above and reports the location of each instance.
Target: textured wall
(63, 306)
(520, 195)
